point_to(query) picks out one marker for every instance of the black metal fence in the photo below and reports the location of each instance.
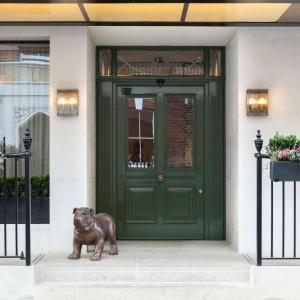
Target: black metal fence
(23, 157)
(286, 223)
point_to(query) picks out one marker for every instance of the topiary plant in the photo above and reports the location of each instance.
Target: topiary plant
(39, 186)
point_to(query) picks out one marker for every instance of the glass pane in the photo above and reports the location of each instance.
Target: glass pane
(147, 153)
(140, 153)
(133, 152)
(152, 63)
(215, 62)
(140, 132)
(105, 62)
(179, 131)
(24, 102)
(147, 119)
(133, 123)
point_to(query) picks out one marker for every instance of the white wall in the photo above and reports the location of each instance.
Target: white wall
(232, 139)
(161, 35)
(91, 122)
(71, 138)
(266, 58)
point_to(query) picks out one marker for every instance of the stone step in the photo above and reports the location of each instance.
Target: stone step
(141, 274)
(163, 292)
(153, 270)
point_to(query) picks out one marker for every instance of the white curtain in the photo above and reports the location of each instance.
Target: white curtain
(38, 126)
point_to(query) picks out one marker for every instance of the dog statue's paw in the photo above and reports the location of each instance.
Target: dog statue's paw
(113, 251)
(73, 256)
(95, 257)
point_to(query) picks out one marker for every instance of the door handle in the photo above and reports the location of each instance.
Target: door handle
(200, 191)
(160, 178)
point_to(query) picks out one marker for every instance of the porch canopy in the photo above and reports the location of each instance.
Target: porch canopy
(178, 13)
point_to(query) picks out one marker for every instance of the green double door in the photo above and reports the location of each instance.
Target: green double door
(160, 162)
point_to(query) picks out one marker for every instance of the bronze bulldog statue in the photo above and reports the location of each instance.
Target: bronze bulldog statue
(91, 229)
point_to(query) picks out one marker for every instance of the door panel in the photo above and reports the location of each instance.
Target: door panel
(160, 167)
(180, 205)
(141, 206)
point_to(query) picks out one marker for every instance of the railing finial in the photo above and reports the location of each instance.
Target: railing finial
(27, 140)
(258, 142)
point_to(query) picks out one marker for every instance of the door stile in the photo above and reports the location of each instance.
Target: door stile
(160, 154)
(200, 150)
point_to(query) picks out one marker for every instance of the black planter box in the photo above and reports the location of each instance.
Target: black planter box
(39, 210)
(285, 171)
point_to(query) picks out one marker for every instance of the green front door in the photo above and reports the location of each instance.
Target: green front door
(160, 162)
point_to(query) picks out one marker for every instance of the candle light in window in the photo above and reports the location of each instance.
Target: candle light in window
(102, 69)
(61, 103)
(252, 101)
(263, 103)
(73, 104)
(257, 102)
(67, 102)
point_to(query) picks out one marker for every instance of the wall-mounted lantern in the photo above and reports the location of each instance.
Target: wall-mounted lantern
(67, 102)
(257, 102)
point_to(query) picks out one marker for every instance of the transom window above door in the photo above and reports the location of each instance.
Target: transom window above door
(160, 63)
(141, 62)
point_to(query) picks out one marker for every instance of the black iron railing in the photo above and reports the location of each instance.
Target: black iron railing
(18, 158)
(276, 251)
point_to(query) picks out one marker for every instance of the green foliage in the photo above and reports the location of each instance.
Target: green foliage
(39, 186)
(280, 142)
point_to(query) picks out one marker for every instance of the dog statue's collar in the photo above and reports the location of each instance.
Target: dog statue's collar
(89, 227)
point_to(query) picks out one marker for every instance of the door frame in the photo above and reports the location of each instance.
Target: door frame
(215, 222)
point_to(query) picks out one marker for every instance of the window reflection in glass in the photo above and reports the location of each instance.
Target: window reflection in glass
(215, 62)
(147, 124)
(105, 62)
(133, 123)
(141, 132)
(24, 102)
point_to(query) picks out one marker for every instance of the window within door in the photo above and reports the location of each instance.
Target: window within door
(179, 131)
(141, 136)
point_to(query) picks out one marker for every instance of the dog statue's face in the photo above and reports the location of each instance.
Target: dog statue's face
(83, 218)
